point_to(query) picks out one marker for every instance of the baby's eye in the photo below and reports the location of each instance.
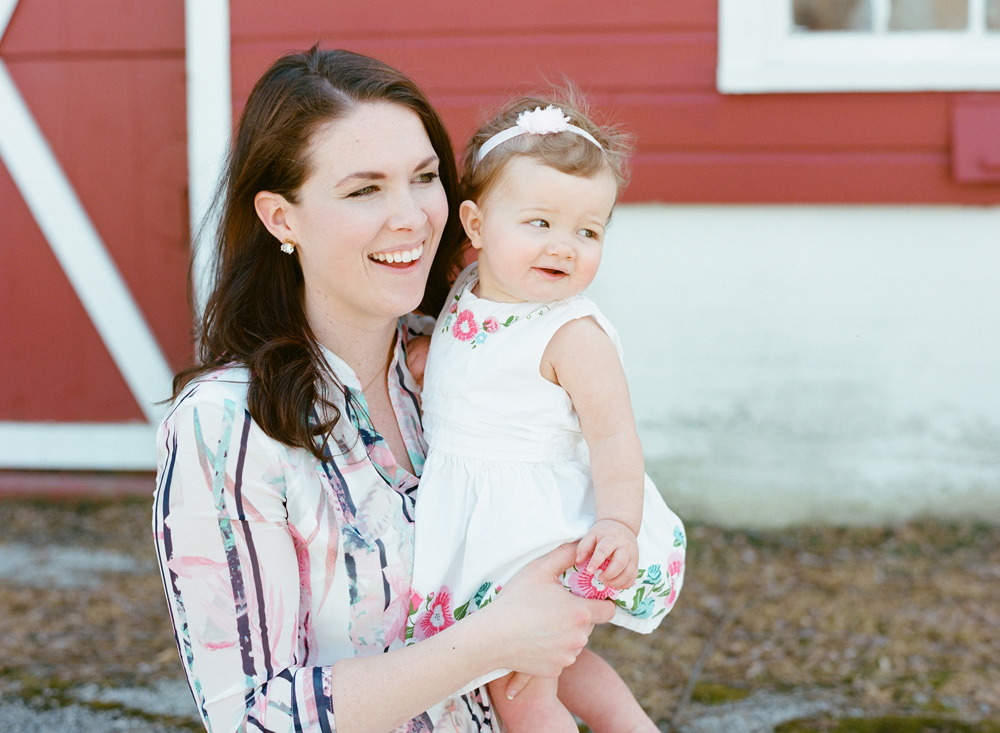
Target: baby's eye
(361, 192)
(428, 177)
(589, 233)
(539, 223)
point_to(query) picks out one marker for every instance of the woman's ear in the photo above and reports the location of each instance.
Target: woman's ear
(472, 221)
(273, 210)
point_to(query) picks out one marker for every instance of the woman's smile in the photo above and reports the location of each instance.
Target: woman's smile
(398, 259)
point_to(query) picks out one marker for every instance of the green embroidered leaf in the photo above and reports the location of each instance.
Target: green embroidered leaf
(638, 598)
(510, 320)
(642, 571)
(461, 611)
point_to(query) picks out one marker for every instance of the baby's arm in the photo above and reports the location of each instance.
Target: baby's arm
(582, 359)
(416, 356)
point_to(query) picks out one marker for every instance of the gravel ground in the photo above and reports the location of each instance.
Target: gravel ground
(812, 629)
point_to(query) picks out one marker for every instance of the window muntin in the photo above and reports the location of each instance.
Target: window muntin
(858, 45)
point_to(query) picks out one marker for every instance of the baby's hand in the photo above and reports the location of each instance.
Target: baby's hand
(416, 356)
(609, 538)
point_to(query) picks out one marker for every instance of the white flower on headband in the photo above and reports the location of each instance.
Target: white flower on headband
(543, 121)
(536, 122)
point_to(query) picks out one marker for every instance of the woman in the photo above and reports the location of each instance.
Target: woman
(288, 461)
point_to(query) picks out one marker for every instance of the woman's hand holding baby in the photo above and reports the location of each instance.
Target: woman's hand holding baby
(540, 627)
(613, 542)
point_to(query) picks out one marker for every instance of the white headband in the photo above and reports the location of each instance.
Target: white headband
(535, 122)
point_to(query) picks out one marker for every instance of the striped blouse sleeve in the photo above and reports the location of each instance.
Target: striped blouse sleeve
(228, 560)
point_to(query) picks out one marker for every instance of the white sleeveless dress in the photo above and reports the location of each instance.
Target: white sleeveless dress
(507, 477)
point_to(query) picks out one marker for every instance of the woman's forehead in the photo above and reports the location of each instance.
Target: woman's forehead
(371, 136)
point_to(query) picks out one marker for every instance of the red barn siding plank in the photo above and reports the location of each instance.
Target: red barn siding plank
(117, 128)
(901, 178)
(60, 27)
(712, 122)
(826, 122)
(637, 61)
(55, 367)
(260, 20)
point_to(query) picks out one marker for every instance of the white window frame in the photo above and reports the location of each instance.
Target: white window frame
(759, 51)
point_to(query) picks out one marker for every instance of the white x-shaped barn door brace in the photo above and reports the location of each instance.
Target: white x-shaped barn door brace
(93, 274)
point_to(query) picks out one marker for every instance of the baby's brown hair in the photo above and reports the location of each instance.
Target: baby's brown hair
(568, 152)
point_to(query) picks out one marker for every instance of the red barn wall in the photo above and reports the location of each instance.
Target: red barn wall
(652, 66)
(104, 81)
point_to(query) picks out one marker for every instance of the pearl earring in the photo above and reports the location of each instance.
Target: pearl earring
(288, 246)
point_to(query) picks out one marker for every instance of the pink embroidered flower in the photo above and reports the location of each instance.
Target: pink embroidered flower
(589, 585)
(675, 563)
(465, 328)
(454, 308)
(672, 598)
(491, 324)
(438, 615)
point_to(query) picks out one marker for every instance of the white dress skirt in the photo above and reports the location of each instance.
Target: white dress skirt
(507, 477)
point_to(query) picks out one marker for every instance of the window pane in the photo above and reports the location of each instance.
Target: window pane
(929, 15)
(832, 15)
(993, 15)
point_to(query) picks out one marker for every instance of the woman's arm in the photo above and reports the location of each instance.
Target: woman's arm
(582, 359)
(231, 572)
(534, 626)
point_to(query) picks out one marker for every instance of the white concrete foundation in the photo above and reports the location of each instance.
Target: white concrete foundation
(812, 364)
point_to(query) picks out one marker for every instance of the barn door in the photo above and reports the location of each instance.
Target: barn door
(94, 252)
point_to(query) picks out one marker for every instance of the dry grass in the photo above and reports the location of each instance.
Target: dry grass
(897, 620)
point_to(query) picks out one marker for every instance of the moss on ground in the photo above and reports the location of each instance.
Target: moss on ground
(711, 693)
(887, 724)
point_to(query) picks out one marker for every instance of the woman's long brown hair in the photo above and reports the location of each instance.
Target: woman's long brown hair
(254, 316)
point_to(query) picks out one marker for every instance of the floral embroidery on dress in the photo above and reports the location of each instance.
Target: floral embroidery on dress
(432, 614)
(651, 596)
(463, 324)
(589, 585)
(464, 327)
(436, 616)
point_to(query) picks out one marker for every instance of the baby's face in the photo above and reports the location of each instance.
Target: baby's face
(539, 232)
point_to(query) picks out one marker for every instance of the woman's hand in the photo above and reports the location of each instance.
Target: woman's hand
(539, 626)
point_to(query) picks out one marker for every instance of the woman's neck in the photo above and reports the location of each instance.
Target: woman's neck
(365, 348)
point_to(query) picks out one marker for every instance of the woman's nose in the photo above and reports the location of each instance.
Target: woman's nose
(407, 213)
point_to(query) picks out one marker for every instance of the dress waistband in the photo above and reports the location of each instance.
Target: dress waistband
(469, 442)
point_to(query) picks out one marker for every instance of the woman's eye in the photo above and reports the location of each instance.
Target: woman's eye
(362, 192)
(539, 223)
(428, 177)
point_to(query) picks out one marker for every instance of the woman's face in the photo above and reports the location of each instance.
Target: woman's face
(369, 217)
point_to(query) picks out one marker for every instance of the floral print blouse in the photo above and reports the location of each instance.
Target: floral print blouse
(276, 564)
